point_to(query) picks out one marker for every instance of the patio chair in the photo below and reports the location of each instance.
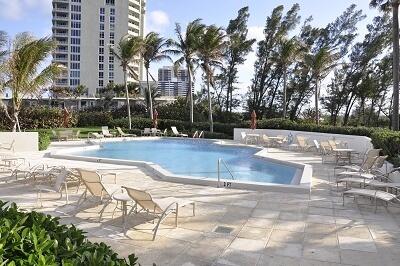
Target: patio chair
(98, 190)
(106, 132)
(355, 167)
(77, 135)
(303, 145)
(59, 184)
(154, 131)
(373, 194)
(176, 133)
(123, 134)
(366, 167)
(160, 208)
(201, 135)
(146, 132)
(244, 137)
(266, 140)
(196, 134)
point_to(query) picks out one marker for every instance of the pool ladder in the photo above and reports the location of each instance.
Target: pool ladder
(222, 162)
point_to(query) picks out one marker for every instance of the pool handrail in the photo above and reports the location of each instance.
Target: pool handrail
(220, 160)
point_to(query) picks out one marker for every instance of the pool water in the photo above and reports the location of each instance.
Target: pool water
(198, 158)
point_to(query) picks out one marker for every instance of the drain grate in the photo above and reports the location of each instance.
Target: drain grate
(223, 229)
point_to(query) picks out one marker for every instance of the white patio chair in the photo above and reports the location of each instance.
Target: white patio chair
(60, 183)
(106, 132)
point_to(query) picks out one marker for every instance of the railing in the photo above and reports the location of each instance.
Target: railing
(221, 161)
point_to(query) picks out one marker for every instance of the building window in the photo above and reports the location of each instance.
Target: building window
(101, 50)
(75, 74)
(102, 11)
(75, 41)
(112, 19)
(102, 18)
(112, 11)
(75, 24)
(75, 49)
(112, 35)
(75, 8)
(101, 58)
(111, 75)
(101, 42)
(75, 33)
(101, 83)
(101, 75)
(101, 35)
(75, 65)
(110, 2)
(75, 16)
(111, 59)
(74, 82)
(111, 67)
(101, 67)
(75, 57)
(112, 27)
(101, 26)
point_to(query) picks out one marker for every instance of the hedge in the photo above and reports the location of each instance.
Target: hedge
(44, 140)
(37, 239)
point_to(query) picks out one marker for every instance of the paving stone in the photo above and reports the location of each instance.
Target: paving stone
(357, 244)
(295, 226)
(233, 257)
(322, 254)
(248, 244)
(284, 249)
(254, 233)
(286, 236)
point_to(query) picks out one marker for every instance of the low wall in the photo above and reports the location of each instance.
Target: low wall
(19, 141)
(358, 143)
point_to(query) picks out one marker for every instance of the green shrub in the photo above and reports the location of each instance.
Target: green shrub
(44, 140)
(39, 117)
(90, 119)
(37, 239)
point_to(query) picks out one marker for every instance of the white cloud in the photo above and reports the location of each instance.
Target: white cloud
(17, 9)
(157, 21)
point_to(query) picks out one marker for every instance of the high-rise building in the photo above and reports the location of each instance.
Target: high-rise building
(171, 83)
(85, 30)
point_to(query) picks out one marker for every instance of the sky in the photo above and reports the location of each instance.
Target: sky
(35, 16)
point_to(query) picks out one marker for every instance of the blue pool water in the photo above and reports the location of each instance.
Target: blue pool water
(198, 158)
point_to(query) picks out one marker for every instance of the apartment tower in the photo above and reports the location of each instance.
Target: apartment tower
(85, 30)
(171, 83)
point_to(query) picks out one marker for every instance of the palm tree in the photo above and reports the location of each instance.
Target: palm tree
(289, 50)
(127, 50)
(3, 53)
(78, 92)
(186, 48)
(211, 52)
(321, 64)
(154, 50)
(25, 74)
(385, 6)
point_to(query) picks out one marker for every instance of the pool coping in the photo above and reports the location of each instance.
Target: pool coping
(303, 173)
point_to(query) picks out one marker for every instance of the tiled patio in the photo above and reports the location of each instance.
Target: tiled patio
(268, 228)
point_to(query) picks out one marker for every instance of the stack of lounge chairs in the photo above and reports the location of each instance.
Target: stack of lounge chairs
(369, 179)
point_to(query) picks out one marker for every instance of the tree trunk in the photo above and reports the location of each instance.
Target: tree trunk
(395, 113)
(128, 106)
(317, 101)
(284, 93)
(191, 104)
(210, 115)
(149, 91)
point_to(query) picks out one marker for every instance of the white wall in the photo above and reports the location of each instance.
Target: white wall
(19, 141)
(358, 143)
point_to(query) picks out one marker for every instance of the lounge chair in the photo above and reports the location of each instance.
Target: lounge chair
(106, 133)
(98, 190)
(196, 135)
(146, 132)
(95, 135)
(201, 135)
(176, 133)
(154, 131)
(374, 194)
(160, 208)
(123, 134)
(367, 167)
(60, 183)
(266, 140)
(303, 145)
(353, 167)
(77, 135)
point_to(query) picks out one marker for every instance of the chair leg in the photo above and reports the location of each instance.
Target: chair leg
(194, 209)
(176, 215)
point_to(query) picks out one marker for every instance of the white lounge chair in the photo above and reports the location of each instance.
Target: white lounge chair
(196, 135)
(123, 134)
(354, 167)
(106, 132)
(95, 135)
(60, 183)
(98, 190)
(373, 194)
(367, 167)
(176, 133)
(201, 135)
(160, 208)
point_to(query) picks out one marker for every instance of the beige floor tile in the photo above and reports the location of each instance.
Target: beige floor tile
(286, 236)
(326, 254)
(254, 233)
(248, 245)
(233, 257)
(258, 222)
(284, 249)
(357, 244)
(295, 226)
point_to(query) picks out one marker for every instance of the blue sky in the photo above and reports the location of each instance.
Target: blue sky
(35, 16)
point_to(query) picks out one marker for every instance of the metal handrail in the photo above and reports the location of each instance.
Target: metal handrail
(220, 160)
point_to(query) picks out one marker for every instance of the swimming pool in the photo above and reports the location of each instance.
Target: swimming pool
(198, 158)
